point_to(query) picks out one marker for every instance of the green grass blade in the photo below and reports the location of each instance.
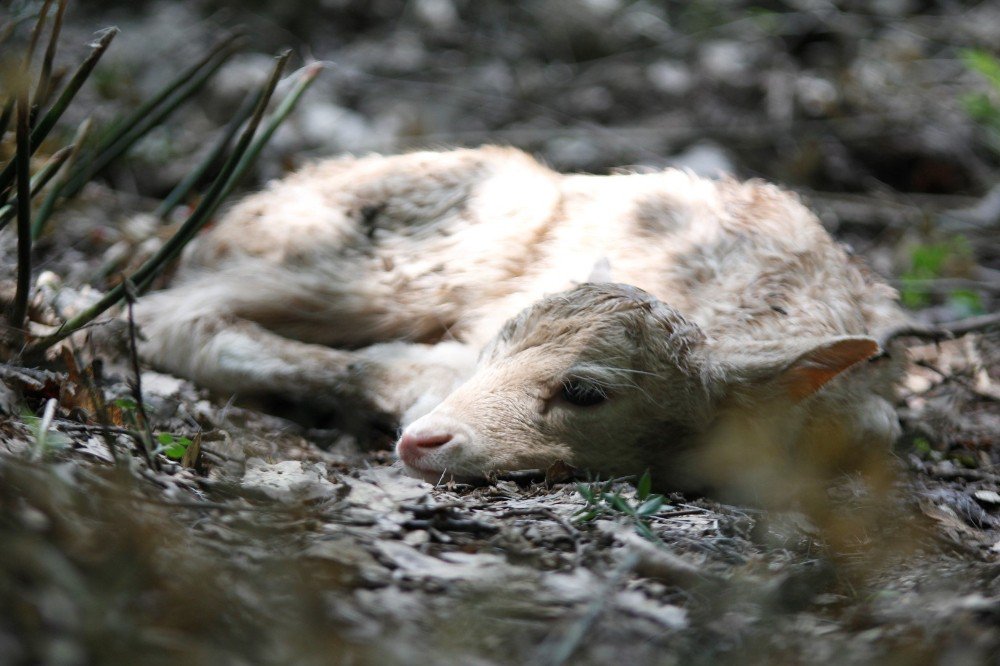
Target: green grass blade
(220, 186)
(43, 88)
(153, 114)
(650, 506)
(287, 105)
(122, 125)
(50, 119)
(38, 181)
(644, 487)
(214, 157)
(36, 33)
(49, 202)
(145, 274)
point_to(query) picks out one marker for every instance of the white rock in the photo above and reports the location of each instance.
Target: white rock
(705, 159)
(726, 61)
(94, 446)
(987, 496)
(672, 617)
(165, 386)
(384, 488)
(437, 14)
(287, 481)
(475, 567)
(669, 77)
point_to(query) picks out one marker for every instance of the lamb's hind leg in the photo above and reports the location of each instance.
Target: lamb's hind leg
(381, 386)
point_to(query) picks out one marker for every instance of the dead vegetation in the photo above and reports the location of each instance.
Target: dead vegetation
(255, 539)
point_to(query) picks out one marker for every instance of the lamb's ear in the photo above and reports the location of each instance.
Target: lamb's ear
(811, 370)
(793, 369)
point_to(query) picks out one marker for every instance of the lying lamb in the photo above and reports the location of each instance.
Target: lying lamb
(620, 322)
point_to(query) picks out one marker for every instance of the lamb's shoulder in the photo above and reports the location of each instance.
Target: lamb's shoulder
(765, 268)
(344, 206)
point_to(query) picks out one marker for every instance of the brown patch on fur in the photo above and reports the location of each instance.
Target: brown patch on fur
(656, 215)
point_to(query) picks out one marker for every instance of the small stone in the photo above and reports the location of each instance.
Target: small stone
(670, 77)
(287, 481)
(437, 14)
(990, 497)
(706, 159)
(726, 61)
(417, 538)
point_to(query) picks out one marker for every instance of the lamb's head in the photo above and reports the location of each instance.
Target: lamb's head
(607, 378)
(596, 377)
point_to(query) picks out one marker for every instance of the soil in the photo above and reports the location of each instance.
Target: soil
(270, 541)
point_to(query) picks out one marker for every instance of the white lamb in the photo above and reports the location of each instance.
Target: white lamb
(620, 322)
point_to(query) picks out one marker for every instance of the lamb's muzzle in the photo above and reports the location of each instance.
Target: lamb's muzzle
(427, 444)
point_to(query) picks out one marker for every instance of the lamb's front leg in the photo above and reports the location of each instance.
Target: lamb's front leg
(383, 386)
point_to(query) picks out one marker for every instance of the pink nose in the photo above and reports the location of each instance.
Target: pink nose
(413, 443)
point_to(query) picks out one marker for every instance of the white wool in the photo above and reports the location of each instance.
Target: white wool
(371, 285)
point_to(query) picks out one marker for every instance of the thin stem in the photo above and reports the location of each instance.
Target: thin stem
(147, 429)
(49, 202)
(36, 32)
(121, 126)
(184, 187)
(287, 105)
(43, 89)
(22, 160)
(220, 186)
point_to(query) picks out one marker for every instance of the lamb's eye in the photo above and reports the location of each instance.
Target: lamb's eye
(582, 393)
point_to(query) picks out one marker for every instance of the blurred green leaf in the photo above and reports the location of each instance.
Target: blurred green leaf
(645, 484)
(126, 404)
(984, 63)
(650, 506)
(968, 303)
(172, 446)
(930, 261)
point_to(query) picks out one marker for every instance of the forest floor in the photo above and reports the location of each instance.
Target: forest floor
(264, 540)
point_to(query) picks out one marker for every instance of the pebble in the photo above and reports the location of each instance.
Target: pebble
(990, 497)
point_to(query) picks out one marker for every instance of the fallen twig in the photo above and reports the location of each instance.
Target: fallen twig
(972, 324)
(945, 331)
(657, 562)
(947, 285)
(955, 472)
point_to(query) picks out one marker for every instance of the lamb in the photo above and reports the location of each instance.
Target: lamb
(508, 317)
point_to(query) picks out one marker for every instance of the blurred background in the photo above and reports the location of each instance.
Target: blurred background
(885, 114)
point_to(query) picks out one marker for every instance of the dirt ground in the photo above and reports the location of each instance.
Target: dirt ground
(276, 540)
